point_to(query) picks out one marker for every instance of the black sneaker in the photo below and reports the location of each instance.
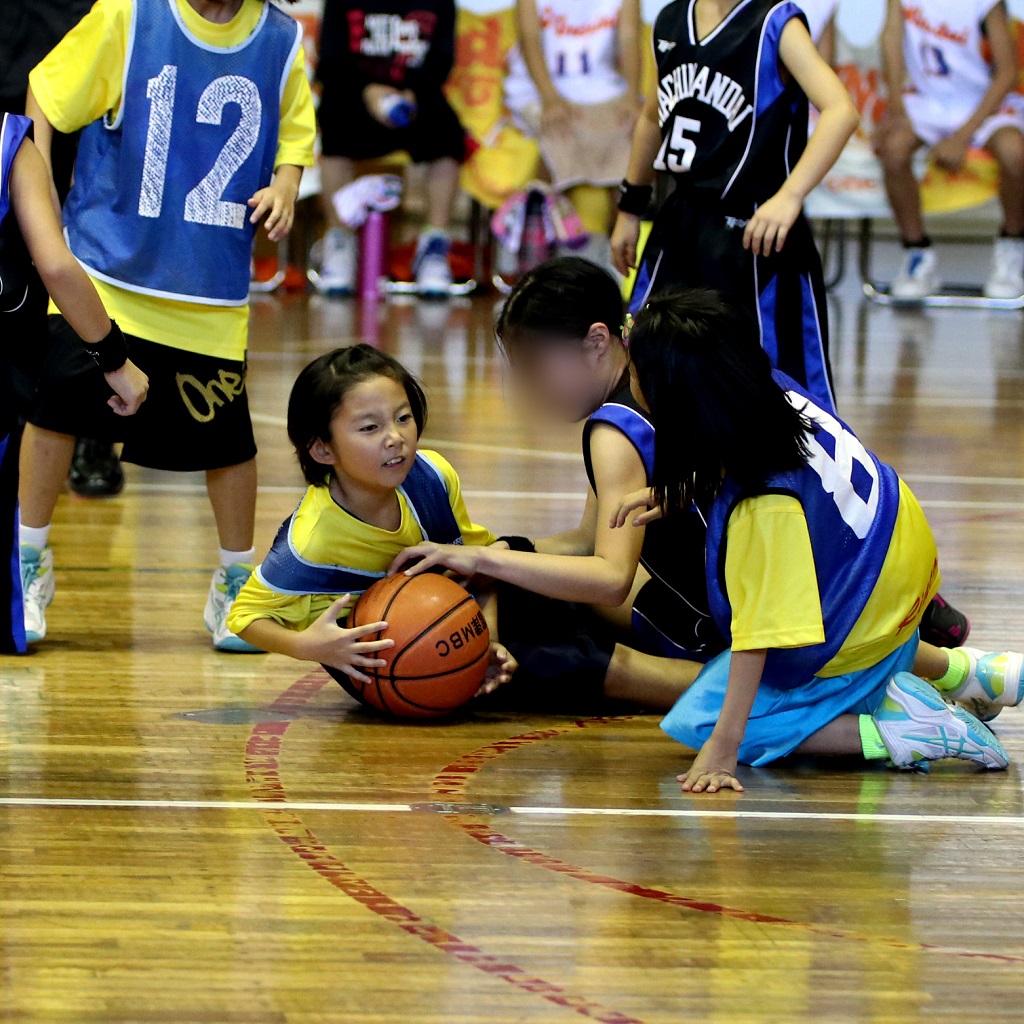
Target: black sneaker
(943, 625)
(95, 470)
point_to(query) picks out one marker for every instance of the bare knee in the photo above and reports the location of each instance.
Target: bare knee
(896, 148)
(1007, 146)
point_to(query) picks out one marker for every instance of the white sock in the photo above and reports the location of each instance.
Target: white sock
(230, 558)
(34, 536)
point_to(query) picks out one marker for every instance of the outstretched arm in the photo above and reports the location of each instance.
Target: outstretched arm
(714, 768)
(604, 578)
(68, 284)
(42, 133)
(646, 143)
(324, 641)
(767, 229)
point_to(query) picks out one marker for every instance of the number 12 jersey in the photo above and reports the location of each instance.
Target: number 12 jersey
(161, 186)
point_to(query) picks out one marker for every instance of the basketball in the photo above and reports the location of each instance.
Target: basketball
(441, 650)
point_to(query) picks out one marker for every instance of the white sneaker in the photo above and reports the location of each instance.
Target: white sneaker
(994, 681)
(224, 588)
(918, 277)
(431, 266)
(1007, 278)
(38, 586)
(336, 254)
(918, 726)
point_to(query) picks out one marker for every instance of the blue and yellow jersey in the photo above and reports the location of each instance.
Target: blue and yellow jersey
(82, 83)
(829, 567)
(322, 532)
(773, 586)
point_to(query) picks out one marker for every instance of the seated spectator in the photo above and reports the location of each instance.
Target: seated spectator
(383, 65)
(574, 83)
(945, 95)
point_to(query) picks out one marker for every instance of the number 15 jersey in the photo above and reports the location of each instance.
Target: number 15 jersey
(730, 123)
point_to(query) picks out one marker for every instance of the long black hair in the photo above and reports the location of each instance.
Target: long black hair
(321, 388)
(559, 299)
(713, 401)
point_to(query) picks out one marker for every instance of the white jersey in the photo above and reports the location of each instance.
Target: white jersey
(942, 49)
(580, 43)
(819, 14)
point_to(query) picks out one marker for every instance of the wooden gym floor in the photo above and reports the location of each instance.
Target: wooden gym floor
(197, 838)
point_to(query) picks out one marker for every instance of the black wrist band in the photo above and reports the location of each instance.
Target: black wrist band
(519, 543)
(112, 352)
(635, 199)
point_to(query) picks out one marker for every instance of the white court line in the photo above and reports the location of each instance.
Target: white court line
(546, 812)
(200, 805)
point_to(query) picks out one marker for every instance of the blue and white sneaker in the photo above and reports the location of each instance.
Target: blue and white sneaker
(38, 587)
(224, 588)
(430, 265)
(918, 277)
(918, 726)
(995, 681)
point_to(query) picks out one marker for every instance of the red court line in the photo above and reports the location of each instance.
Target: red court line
(451, 781)
(262, 772)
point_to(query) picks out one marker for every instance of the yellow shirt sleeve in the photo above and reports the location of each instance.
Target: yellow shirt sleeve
(256, 601)
(770, 576)
(82, 77)
(297, 130)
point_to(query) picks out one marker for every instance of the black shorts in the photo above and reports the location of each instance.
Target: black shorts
(563, 651)
(195, 417)
(697, 242)
(348, 130)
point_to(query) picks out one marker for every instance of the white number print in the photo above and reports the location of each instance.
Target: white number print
(203, 204)
(836, 473)
(677, 151)
(160, 91)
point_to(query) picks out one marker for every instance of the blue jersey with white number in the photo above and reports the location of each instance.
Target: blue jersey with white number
(159, 200)
(850, 500)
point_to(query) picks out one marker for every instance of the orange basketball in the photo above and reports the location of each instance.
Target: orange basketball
(441, 650)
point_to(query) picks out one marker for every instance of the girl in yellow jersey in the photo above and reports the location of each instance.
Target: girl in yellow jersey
(355, 417)
(197, 121)
(819, 566)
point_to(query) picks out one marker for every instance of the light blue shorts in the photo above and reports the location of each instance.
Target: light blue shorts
(782, 719)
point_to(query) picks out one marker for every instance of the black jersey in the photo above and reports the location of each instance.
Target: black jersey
(670, 614)
(730, 122)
